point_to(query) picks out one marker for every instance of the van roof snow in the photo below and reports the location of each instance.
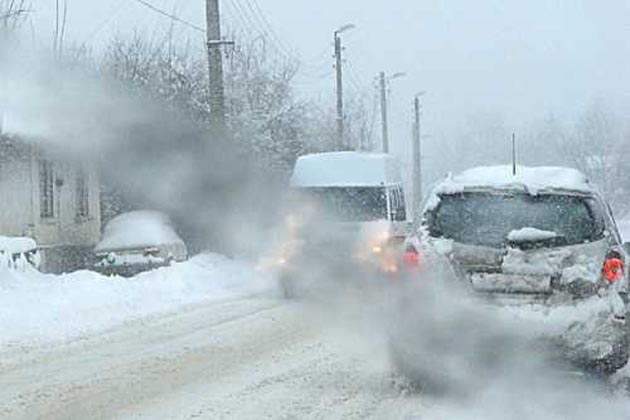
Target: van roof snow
(339, 169)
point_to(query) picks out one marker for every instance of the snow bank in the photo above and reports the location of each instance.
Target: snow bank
(346, 169)
(138, 229)
(39, 308)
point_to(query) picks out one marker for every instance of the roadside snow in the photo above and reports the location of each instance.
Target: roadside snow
(39, 308)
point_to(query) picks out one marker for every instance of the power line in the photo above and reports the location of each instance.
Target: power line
(356, 80)
(260, 14)
(171, 16)
(249, 19)
(115, 11)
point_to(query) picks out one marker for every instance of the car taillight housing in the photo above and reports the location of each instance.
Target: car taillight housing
(613, 269)
(411, 258)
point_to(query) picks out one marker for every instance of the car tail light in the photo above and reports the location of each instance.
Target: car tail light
(613, 267)
(411, 257)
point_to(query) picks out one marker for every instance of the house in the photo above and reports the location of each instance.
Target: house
(54, 201)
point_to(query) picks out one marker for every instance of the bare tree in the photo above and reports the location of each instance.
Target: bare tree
(12, 13)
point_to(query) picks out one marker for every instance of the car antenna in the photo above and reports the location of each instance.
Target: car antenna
(514, 153)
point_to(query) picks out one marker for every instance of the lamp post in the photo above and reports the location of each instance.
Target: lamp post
(383, 80)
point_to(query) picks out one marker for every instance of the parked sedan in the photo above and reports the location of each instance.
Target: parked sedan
(138, 241)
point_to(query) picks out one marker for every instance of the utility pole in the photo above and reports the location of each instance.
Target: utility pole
(385, 134)
(384, 124)
(514, 154)
(339, 79)
(417, 155)
(215, 64)
(339, 70)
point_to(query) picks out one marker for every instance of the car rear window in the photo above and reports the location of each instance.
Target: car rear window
(486, 219)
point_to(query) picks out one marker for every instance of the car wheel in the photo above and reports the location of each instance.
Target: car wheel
(612, 363)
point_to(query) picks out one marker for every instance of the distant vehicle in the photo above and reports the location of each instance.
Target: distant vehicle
(138, 241)
(346, 208)
(541, 239)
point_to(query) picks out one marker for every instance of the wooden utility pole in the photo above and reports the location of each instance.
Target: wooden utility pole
(417, 158)
(215, 64)
(514, 154)
(339, 70)
(339, 77)
(385, 130)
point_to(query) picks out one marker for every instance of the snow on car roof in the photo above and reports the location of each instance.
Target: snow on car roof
(17, 245)
(345, 169)
(533, 180)
(137, 229)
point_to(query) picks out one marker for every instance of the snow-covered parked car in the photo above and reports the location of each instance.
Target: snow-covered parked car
(19, 252)
(138, 241)
(540, 242)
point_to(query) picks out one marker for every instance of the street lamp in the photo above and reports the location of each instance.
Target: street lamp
(339, 68)
(344, 28)
(397, 75)
(384, 123)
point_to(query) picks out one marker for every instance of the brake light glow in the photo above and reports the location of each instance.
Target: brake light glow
(613, 269)
(411, 257)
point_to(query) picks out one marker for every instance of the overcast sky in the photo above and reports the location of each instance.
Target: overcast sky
(522, 59)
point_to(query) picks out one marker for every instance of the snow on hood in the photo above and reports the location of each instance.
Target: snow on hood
(532, 180)
(138, 229)
(529, 234)
(345, 169)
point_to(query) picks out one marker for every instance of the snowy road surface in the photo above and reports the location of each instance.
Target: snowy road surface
(239, 358)
(248, 358)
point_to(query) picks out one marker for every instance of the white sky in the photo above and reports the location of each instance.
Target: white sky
(523, 59)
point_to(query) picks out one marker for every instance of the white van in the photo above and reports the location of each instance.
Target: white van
(354, 186)
(346, 215)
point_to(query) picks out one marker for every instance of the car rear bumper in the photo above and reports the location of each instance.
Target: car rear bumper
(587, 332)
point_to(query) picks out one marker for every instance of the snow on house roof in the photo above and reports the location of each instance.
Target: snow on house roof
(345, 169)
(138, 229)
(529, 179)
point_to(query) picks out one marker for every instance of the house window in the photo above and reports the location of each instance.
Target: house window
(82, 195)
(46, 189)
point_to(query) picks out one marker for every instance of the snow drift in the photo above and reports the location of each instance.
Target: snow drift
(39, 308)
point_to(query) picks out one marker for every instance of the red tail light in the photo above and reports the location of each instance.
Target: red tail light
(411, 257)
(613, 267)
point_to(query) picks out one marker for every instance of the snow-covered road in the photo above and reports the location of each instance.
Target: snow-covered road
(255, 357)
(249, 358)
